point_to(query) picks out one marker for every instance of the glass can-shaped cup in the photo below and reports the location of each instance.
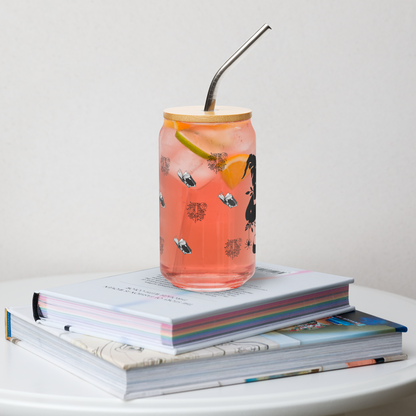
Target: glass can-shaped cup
(207, 198)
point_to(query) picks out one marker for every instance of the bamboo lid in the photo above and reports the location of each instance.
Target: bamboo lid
(196, 114)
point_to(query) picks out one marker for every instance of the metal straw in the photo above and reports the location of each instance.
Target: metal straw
(213, 88)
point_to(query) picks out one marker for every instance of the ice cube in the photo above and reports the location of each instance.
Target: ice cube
(203, 175)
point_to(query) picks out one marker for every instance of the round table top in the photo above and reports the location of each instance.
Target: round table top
(30, 385)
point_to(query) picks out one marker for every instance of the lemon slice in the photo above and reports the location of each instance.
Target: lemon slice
(233, 171)
(191, 146)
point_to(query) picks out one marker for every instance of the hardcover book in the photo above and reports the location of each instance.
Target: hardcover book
(128, 372)
(142, 308)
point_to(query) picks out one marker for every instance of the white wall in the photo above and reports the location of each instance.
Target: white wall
(333, 91)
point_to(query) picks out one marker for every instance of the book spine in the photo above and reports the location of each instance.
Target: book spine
(37, 313)
(7, 326)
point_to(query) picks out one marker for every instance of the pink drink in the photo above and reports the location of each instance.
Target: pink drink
(207, 198)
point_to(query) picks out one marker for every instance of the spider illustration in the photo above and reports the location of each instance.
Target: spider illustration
(182, 246)
(228, 200)
(162, 201)
(248, 244)
(187, 179)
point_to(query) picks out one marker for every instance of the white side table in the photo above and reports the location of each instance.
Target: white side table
(32, 386)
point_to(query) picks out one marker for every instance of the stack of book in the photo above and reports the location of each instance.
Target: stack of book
(135, 335)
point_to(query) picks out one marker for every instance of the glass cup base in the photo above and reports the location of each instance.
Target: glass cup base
(206, 282)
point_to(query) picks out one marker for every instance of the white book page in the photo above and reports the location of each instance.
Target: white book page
(127, 356)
